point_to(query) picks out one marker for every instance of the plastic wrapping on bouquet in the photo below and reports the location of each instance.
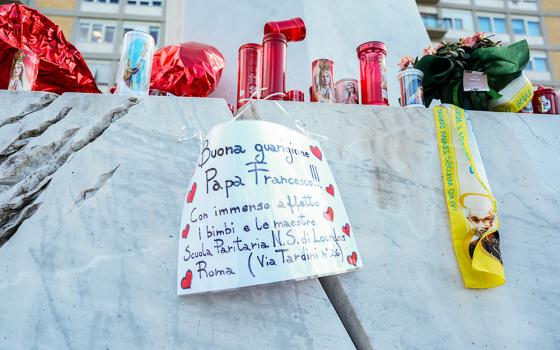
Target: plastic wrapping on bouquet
(295, 95)
(322, 80)
(23, 73)
(346, 91)
(274, 66)
(249, 72)
(135, 66)
(544, 101)
(412, 93)
(373, 71)
(293, 29)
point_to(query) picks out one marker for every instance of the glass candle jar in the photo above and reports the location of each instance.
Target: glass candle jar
(293, 29)
(274, 65)
(249, 72)
(295, 95)
(373, 82)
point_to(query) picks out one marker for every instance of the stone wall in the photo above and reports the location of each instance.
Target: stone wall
(91, 191)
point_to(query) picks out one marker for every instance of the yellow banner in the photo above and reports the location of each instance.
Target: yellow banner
(473, 213)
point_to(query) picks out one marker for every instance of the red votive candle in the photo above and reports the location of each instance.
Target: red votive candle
(372, 73)
(248, 72)
(544, 101)
(295, 95)
(274, 65)
(311, 97)
(293, 29)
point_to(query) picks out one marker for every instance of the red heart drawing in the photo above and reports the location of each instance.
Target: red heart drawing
(186, 281)
(190, 195)
(330, 190)
(316, 152)
(346, 229)
(352, 259)
(185, 232)
(329, 214)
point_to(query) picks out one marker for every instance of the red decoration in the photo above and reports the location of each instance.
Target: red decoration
(188, 69)
(61, 67)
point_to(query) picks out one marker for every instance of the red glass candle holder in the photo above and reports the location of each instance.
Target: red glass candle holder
(295, 95)
(293, 29)
(373, 80)
(544, 101)
(311, 97)
(249, 72)
(274, 65)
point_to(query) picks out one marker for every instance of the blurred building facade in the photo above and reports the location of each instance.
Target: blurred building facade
(96, 28)
(538, 21)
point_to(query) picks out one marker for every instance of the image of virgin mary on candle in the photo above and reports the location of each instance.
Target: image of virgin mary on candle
(135, 73)
(323, 82)
(24, 70)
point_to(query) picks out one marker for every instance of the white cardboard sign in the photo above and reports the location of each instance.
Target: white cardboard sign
(262, 207)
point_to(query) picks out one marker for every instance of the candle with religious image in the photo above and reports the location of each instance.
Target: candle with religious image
(544, 101)
(410, 82)
(135, 66)
(23, 73)
(322, 80)
(346, 91)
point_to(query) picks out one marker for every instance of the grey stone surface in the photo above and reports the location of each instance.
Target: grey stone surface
(91, 191)
(410, 294)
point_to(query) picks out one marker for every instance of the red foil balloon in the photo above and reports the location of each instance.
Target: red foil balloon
(188, 69)
(61, 66)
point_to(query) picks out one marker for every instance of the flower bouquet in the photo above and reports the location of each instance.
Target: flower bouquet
(503, 85)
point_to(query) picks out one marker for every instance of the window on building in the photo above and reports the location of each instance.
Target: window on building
(109, 34)
(518, 26)
(101, 71)
(104, 1)
(97, 32)
(154, 32)
(457, 19)
(430, 21)
(529, 65)
(534, 28)
(500, 26)
(157, 3)
(484, 24)
(541, 64)
(84, 32)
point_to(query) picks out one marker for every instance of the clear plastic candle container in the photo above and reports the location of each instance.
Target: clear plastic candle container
(135, 66)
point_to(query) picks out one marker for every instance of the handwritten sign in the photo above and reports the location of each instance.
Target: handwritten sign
(262, 207)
